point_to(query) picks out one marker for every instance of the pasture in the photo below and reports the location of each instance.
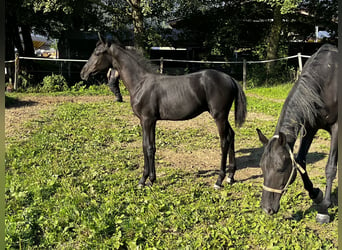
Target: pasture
(73, 162)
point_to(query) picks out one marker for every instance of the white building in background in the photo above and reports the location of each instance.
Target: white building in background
(44, 47)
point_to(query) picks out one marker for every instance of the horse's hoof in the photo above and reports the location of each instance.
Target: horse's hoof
(323, 218)
(319, 197)
(230, 180)
(217, 187)
(140, 186)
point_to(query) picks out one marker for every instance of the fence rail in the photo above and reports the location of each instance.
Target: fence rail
(161, 61)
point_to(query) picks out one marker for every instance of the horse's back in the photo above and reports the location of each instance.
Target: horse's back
(186, 96)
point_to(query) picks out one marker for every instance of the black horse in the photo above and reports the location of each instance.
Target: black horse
(161, 97)
(113, 83)
(310, 106)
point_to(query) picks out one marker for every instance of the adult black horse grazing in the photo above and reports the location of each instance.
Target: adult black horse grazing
(161, 97)
(311, 105)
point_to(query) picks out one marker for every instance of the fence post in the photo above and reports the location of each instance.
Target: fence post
(16, 71)
(244, 74)
(300, 64)
(161, 65)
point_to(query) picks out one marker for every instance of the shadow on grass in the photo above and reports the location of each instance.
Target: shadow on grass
(251, 159)
(11, 102)
(253, 155)
(299, 215)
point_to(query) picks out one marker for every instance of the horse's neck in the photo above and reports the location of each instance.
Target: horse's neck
(288, 126)
(130, 71)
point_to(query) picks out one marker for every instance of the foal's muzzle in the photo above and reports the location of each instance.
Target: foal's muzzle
(84, 75)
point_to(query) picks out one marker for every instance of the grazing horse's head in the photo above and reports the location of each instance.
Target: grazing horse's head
(98, 61)
(279, 170)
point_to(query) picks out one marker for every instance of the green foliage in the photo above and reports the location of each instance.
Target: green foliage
(53, 83)
(281, 73)
(78, 87)
(81, 88)
(71, 183)
(287, 6)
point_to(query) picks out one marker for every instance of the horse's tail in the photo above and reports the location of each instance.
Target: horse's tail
(240, 105)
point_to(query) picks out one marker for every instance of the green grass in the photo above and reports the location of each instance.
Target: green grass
(275, 92)
(72, 184)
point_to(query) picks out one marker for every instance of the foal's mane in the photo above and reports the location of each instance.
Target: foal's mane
(304, 102)
(143, 62)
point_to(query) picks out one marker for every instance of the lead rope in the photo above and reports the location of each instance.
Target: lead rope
(295, 166)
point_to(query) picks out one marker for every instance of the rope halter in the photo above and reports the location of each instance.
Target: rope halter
(295, 166)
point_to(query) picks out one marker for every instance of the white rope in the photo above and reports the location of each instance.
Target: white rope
(52, 59)
(228, 62)
(164, 60)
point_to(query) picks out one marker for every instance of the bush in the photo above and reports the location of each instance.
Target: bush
(79, 87)
(54, 83)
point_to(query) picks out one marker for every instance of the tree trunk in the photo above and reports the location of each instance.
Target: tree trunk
(138, 23)
(27, 39)
(274, 38)
(12, 37)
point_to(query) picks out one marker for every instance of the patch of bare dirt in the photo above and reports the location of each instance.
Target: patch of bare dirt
(29, 108)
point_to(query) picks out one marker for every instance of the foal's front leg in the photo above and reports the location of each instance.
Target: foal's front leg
(149, 149)
(330, 171)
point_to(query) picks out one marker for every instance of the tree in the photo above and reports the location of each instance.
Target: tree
(222, 27)
(138, 23)
(50, 18)
(280, 8)
(14, 25)
(322, 13)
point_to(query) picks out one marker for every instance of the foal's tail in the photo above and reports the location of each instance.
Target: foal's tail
(240, 105)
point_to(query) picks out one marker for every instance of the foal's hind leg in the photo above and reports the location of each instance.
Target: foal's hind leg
(232, 164)
(227, 144)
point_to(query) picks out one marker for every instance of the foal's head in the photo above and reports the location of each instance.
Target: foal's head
(277, 164)
(99, 60)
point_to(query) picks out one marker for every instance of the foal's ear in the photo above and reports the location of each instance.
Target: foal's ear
(262, 138)
(282, 139)
(100, 37)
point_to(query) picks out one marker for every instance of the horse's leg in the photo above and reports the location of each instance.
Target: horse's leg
(116, 90)
(227, 140)
(330, 171)
(305, 142)
(149, 149)
(232, 163)
(114, 87)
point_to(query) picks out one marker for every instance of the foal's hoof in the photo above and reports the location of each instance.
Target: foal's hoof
(319, 197)
(147, 184)
(230, 180)
(218, 187)
(323, 218)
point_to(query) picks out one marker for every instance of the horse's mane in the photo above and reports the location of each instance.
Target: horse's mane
(304, 102)
(139, 59)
